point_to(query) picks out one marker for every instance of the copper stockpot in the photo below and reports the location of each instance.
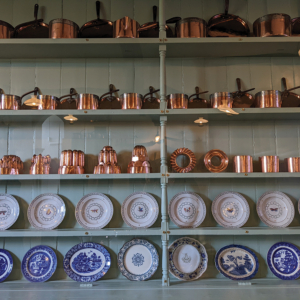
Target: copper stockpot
(9, 102)
(272, 25)
(6, 30)
(269, 164)
(191, 28)
(293, 164)
(131, 101)
(126, 28)
(243, 164)
(177, 101)
(269, 98)
(63, 29)
(221, 99)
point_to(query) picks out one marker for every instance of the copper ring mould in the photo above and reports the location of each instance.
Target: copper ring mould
(216, 168)
(189, 154)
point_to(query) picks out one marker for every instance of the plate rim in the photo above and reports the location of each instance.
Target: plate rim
(269, 256)
(30, 208)
(68, 270)
(261, 215)
(29, 253)
(199, 198)
(6, 252)
(241, 247)
(18, 210)
(171, 250)
(111, 207)
(155, 216)
(217, 219)
(154, 255)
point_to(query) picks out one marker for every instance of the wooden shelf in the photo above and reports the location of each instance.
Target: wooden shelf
(259, 175)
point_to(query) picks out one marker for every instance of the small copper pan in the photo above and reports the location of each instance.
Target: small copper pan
(241, 99)
(221, 99)
(269, 164)
(269, 98)
(243, 164)
(197, 102)
(293, 164)
(289, 99)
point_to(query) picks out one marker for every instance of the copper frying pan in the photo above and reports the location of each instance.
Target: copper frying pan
(241, 99)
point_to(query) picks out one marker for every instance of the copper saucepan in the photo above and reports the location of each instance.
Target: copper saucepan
(289, 99)
(126, 28)
(197, 102)
(110, 100)
(63, 29)
(268, 98)
(242, 99)
(221, 99)
(191, 28)
(269, 164)
(181, 101)
(9, 102)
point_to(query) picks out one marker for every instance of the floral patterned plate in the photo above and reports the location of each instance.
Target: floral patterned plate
(39, 264)
(236, 262)
(46, 211)
(275, 209)
(6, 264)
(140, 210)
(87, 262)
(284, 261)
(187, 210)
(138, 260)
(230, 210)
(187, 259)
(94, 211)
(9, 211)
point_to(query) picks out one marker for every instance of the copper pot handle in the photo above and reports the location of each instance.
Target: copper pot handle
(35, 91)
(226, 7)
(152, 91)
(197, 94)
(239, 92)
(111, 91)
(72, 93)
(286, 91)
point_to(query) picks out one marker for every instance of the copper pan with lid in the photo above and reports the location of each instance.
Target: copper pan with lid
(242, 99)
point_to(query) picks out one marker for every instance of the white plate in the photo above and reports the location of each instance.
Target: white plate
(187, 259)
(94, 211)
(230, 210)
(46, 211)
(275, 209)
(140, 210)
(9, 211)
(187, 210)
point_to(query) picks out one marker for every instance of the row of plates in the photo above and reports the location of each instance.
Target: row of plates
(93, 211)
(138, 260)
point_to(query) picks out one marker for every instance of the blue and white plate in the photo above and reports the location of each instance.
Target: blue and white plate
(6, 264)
(39, 264)
(138, 260)
(187, 259)
(87, 262)
(236, 262)
(284, 261)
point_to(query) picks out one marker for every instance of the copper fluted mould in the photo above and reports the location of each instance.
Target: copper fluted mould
(243, 164)
(216, 168)
(11, 165)
(139, 161)
(293, 164)
(71, 162)
(40, 164)
(107, 162)
(189, 154)
(269, 164)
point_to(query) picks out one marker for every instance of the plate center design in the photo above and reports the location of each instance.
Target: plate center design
(186, 210)
(138, 259)
(139, 210)
(3, 264)
(230, 210)
(47, 212)
(274, 210)
(39, 264)
(86, 262)
(94, 211)
(186, 258)
(285, 261)
(5, 212)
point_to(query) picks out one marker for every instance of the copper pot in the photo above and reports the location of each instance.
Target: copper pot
(270, 98)
(126, 28)
(177, 101)
(63, 29)
(131, 101)
(9, 102)
(6, 30)
(272, 25)
(221, 99)
(269, 164)
(70, 170)
(191, 28)
(293, 164)
(243, 164)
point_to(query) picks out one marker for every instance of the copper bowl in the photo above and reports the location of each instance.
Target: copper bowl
(216, 153)
(243, 164)
(221, 99)
(177, 101)
(293, 164)
(269, 164)
(269, 98)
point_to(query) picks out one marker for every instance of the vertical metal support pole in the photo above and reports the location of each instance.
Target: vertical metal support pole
(162, 75)
(162, 20)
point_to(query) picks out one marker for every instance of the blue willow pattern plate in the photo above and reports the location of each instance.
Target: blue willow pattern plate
(39, 264)
(284, 261)
(236, 262)
(138, 260)
(187, 259)
(87, 262)
(6, 264)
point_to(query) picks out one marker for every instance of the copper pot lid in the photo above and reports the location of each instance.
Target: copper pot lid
(241, 99)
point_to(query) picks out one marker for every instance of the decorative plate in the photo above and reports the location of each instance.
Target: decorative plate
(87, 262)
(39, 264)
(9, 211)
(46, 211)
(187, 210)
(140, 210)
(138, 260)
(6, 264)
(284, 261)
(187, 259)
(236, 262)
(94, 211)
(275, 209)
(230, 210)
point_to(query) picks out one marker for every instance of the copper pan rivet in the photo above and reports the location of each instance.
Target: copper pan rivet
(86, 233)
(85, 112)
(87, 176)
(243, 109)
